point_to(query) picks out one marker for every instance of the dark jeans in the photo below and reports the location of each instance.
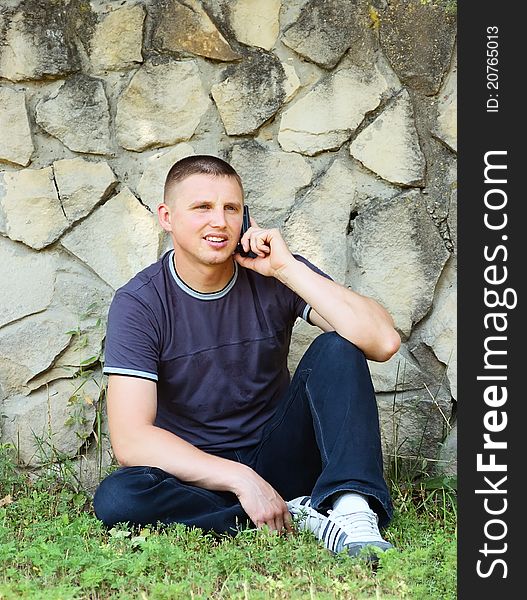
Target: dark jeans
(323, 438)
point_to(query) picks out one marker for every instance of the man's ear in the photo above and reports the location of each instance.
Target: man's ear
(164, 217)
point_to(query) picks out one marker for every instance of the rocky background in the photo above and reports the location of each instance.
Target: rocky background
(340, 116)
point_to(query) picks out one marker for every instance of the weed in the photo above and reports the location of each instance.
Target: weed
(52, 546)
(412, 471)
(85, 405)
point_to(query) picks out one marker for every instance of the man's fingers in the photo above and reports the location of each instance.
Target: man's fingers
(257, 242)
(247, 239)
(244, 261)
(288, 522)
(262, 245)
(276, 524)
(264, 506)
(279, 524)
(269, 525)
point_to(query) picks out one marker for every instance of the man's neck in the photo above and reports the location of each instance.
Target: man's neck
(204, 278)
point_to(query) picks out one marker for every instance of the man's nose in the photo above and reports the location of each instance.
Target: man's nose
(218, 218)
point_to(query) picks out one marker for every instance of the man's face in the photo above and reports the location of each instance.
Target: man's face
(204, 217)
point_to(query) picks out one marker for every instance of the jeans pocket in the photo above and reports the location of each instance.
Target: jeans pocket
(156, 474)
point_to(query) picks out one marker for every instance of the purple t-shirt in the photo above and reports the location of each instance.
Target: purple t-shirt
(219, 359)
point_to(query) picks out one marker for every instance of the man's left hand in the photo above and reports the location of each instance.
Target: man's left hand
(272, 253)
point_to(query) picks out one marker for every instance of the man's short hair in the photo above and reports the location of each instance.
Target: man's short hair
(206, 164)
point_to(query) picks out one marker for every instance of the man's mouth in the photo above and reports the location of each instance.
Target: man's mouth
(217, 240)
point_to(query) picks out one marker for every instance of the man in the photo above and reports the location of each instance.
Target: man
(204, 420)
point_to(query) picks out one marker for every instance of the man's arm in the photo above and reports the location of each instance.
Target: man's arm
(132, 405)
(357, 318)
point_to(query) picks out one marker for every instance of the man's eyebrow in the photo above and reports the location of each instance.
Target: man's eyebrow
(209, 201)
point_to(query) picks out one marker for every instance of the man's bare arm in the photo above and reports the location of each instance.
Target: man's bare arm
(357, 318)
(136, 441)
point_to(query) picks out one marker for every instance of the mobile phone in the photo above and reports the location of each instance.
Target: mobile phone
(246, 223)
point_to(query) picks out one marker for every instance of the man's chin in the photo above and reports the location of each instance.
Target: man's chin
(219, 258)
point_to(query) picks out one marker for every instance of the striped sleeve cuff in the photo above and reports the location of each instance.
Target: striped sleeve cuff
(130, 373)
(305, 313)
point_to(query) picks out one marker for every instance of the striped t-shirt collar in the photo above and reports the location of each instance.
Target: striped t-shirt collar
(202, 295)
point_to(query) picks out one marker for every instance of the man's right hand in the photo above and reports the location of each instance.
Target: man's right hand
(132, 404)
(262, 503)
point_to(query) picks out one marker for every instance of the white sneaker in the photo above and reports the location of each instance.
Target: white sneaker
(353, 531)
(306, 517)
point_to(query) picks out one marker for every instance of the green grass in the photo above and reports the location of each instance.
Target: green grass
(52, 546)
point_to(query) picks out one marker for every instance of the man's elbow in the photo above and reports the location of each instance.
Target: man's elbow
(388, 346)
(121, 456)
(123, 452)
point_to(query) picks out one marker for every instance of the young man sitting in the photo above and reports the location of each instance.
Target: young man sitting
(207, 424)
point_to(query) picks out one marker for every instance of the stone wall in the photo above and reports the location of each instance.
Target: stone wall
(340, 116)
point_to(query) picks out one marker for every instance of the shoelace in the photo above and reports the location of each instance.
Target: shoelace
(309, 519)
(359, 526)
